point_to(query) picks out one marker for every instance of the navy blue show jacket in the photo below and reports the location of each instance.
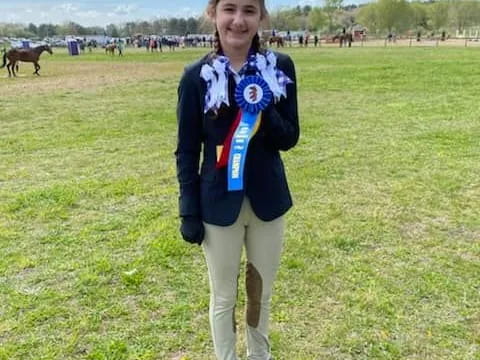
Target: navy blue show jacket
(203, 189)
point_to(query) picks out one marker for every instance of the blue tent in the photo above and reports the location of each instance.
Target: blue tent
(73, 47)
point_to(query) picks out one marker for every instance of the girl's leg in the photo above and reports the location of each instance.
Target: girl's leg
(264, 241)
(223, 249)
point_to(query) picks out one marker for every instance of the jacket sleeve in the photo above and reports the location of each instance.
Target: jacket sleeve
(189, 143)
(280, 120)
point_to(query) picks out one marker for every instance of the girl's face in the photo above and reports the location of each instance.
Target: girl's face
(237, 23)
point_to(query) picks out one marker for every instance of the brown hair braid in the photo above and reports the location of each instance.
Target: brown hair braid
(217, 46)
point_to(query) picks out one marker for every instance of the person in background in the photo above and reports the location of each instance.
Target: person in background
(120, 47)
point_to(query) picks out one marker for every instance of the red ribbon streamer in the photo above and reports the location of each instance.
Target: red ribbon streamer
(227, 143)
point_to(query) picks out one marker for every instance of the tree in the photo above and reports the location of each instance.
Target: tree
(293, 19)
(331, 8)
(278, 20)
(316, 19)
(368, 16)
(464, 13)
(182, 26)
(160, 26)
(172, 26)
(298, 10)
(96, 30)
(32, 28)
(14, 30)
(143, 27)
(420, 15)
(70, 28)
(346, 18)
(205, 26)
(192, 25)
(112, 31)
(394, 15)
(128, 29)
(306, 10)
(46, 30)
(438, 14)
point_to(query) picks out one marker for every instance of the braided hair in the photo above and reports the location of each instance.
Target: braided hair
(217, 46)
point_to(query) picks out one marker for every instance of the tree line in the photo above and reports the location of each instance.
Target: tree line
(382, 16)
(170, 26)
(379, 17)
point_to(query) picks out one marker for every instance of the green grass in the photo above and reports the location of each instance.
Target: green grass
(382, 253)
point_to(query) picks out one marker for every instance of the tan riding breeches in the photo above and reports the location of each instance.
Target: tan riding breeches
(223, 249)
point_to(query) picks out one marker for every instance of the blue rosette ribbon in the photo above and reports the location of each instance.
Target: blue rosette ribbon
(252, 95)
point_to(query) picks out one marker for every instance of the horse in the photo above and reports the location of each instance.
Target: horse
(16, 65)
(276, 39)
(110, 48)
(25, 55)
(344, 39)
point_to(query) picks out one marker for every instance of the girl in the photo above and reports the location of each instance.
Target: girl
(239, 97)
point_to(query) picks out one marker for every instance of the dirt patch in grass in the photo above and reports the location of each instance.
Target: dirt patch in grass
(413, 230)
(83, 76)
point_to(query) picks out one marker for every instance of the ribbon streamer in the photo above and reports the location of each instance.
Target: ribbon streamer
(252, 95)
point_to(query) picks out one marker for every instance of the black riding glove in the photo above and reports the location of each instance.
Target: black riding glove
(192, 229)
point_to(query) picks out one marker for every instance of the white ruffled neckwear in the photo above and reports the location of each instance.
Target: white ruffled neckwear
(216, 76)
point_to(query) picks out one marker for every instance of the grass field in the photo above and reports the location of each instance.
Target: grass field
(382, 254)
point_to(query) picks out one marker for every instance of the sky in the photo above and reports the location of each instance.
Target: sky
(103, 12)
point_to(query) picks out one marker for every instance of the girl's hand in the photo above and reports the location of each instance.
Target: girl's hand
(192, 230)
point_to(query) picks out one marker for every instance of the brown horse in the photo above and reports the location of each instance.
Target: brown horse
(344, 39)
(276, 40)
(110, 48)
(25, 55)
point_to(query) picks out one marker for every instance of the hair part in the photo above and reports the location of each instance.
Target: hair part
(212, 7)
